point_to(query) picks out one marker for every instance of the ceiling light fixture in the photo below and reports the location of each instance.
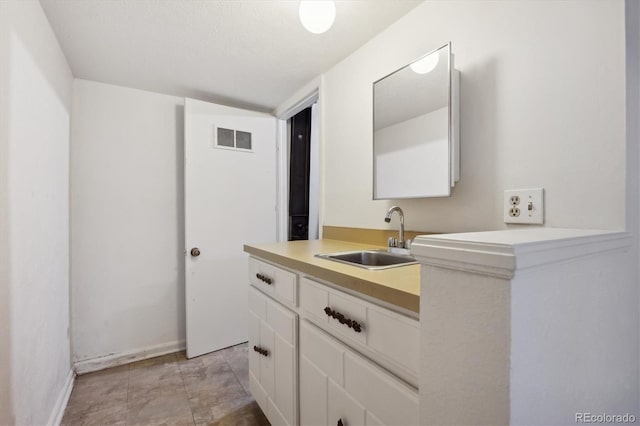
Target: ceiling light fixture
(426, 64)
(317, 16)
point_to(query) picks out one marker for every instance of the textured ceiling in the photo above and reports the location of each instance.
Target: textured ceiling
(247, 53)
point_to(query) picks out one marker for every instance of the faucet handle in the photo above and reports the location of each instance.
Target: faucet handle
(407, 244)
(392, 242)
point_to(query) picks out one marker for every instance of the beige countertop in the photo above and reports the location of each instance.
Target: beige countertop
(398, 286)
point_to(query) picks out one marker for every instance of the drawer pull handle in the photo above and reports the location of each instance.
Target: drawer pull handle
(355, 325)
(264, 278)
(340, 422)
(261, 351)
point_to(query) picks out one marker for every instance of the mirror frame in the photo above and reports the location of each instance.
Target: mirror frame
(452, 130)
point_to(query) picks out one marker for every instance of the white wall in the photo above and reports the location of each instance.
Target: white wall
(574, 341)
(6, 410)
(632, 26)
(127, 231)
(35, 109)
(542, 104)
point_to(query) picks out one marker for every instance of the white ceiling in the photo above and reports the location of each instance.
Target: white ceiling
(247, 53)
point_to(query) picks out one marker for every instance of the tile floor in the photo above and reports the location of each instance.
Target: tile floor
(212, 389)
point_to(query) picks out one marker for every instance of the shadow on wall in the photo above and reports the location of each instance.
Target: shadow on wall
(6, 410)
(6, 404)
(180, 287)
(49, 62)
(226, 101)
(5, 317)
(35, 82)
(479, 155)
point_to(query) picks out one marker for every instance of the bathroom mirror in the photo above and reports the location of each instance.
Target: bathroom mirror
(415, 129)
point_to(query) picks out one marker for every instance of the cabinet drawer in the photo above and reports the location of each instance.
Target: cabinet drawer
(391, 336)
(344, 314)
(279, 283)
(348, 387)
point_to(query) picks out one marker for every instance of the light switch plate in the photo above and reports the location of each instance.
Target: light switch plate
(524, 206)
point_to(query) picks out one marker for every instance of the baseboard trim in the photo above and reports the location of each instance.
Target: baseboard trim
(63, 399)
(117, 359)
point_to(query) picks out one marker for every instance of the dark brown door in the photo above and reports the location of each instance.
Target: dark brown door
(299, 162)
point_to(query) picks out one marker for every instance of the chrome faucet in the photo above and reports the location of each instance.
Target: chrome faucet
(400, 242)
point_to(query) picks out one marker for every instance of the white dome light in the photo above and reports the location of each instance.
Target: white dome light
(426, 64)
(317, 16)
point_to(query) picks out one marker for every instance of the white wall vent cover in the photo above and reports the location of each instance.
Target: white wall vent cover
(232, 139)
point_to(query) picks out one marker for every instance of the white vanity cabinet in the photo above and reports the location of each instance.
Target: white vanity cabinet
(340, 387)
(321, 356)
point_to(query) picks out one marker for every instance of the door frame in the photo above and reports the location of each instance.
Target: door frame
(282, 162)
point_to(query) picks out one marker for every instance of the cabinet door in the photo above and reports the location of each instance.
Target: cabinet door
(323, 399)
(313, 393)
(337, 384)
(283, 323)
(273, 358)
(254, 340)
(343, 408)
(388, 400)
(256, 388)
(257, 314)
(267, 359)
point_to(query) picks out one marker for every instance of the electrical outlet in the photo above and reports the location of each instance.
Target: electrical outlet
(524, 206)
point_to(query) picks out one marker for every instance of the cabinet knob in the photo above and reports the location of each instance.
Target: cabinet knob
(340, 423)
(261, 351)
(352, 324)
(264, 278)
(195, 252)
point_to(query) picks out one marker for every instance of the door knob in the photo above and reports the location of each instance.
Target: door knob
(195, 252)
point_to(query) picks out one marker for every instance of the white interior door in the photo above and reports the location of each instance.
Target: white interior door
(230, 198)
